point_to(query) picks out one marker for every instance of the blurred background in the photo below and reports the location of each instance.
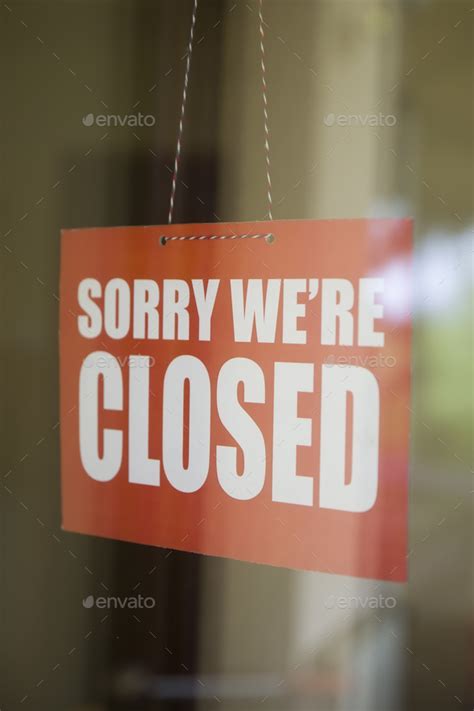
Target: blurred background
(224, 634)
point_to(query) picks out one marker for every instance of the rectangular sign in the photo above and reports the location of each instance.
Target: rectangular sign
(245, 394)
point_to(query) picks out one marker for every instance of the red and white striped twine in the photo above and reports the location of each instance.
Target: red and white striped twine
(183, 108)
(265, 107)
(190, 238)
(267, 237)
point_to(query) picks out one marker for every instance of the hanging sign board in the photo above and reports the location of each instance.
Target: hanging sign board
(245, 396)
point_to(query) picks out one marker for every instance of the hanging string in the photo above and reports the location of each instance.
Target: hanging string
(265, 107)
(192, 238)
(183, 108)
(267, 237)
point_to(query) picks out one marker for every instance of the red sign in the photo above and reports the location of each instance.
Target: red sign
(244, 397)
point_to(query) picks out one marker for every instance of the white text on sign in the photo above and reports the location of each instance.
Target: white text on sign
(263, 312)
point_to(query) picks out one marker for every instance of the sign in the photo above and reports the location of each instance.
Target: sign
(243, 397)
